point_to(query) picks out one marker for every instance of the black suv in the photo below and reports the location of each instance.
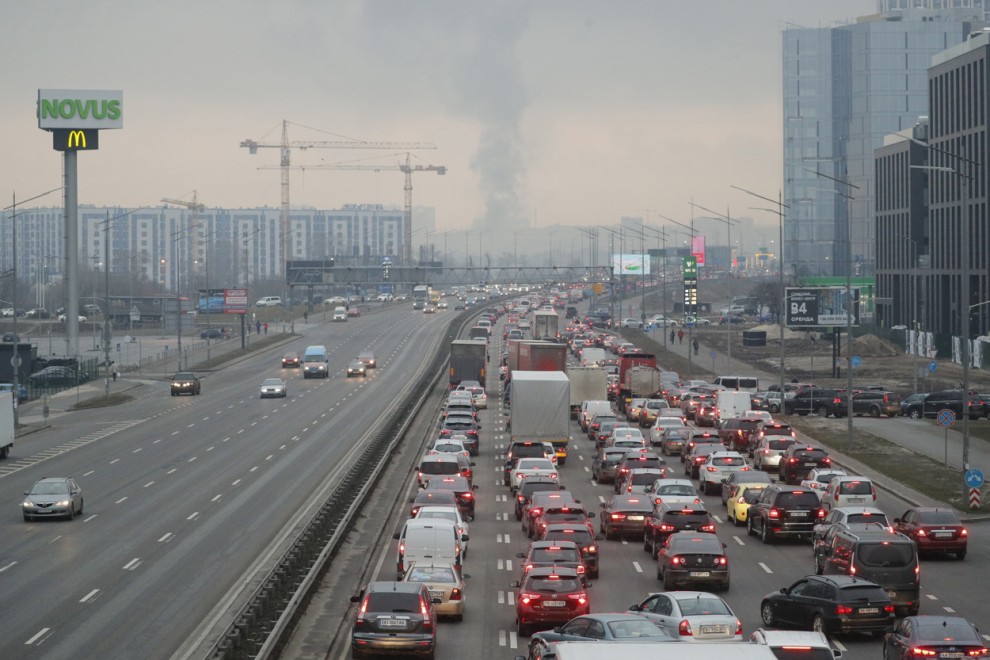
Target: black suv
(830, 604)
(951, 399)
(668, 519)
(798, 460)
(394, 616)
(530, 485)
(521, 449)
(822, 402)
(784, 511)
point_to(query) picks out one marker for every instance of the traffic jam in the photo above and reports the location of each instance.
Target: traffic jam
(562, 408)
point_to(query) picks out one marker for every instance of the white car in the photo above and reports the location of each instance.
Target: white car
(849, 490)
(7, 311)
(335, 300)
(631, 323)
(761, 415)
(451, 513)
(449, 446)
(663, 423)
(717, 467)
(818, 479)
(529, 467)
(663, 322)
(625, 435)
(673, 491)
(274, 387)
(62, 317)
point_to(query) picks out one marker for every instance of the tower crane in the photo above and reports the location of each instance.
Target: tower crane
(196, 207)
(408, 168)
(285, 147)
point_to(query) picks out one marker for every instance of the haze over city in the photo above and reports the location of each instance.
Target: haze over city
(549, 113)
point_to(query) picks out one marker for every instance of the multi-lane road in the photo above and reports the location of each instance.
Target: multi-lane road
(627, 572)
(186, 497)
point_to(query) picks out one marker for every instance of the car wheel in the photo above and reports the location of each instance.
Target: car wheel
(774, 409)
(522, 631)
(915, 414)
(654, 550)
(27, 518)
(766, 535)
(659, 573)
(822, 411)
(819, 569)
(961, 555)
(646, 543)
(766, 614)
(875, 411)
(818, 624)
(749, 528)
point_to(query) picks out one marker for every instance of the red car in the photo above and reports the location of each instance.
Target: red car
(934, 530)
(290, 360)
(353, 312)
(547, 597)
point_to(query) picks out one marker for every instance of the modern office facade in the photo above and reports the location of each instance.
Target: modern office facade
(844, 89)
(925, 193)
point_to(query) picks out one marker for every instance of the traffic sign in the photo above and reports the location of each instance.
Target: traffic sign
(713, 354)
(15, 361)
(974, 478)
(974, 498)
(946, 418)
(857, 360)
(932, 366)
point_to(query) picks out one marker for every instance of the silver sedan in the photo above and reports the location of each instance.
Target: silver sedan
(53, 497)
(273, 387)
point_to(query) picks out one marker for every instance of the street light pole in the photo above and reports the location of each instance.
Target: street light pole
(728, 315)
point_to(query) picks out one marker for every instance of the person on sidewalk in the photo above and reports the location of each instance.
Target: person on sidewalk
(695, 345)
(114, 372)
(672, 333)
(266, 327)
(680, 336)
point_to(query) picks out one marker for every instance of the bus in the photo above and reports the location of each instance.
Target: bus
(434, 296)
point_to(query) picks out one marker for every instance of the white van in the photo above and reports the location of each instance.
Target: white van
(749, 384)
(730, 404)
(428, 541)
(316, 362)
(591, 408)
(339, 313)
(269, 301)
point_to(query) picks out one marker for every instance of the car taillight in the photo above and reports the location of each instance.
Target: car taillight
(921, 532)
(527, 599)
(520, 498)
(712, 468)
(581, 569)
(722, 561)
(973, 653)
(843, 609)
(827, 460)
(821, 513)
(467, 496)
(741, 500)
(536, 511)
(590, 549)
(667, 527)
(684, 629)
(923, 652)
(793, 460)
(580, 598)
(964, 532)
(618, 516)
(363, 609)
(774, 513)
(676, 559)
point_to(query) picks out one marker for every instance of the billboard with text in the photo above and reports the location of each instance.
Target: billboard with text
(630, 264)
(820, 307)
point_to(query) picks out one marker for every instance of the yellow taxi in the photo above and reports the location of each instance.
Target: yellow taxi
(741, 496)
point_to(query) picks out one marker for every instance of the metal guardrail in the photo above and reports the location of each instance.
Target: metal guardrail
(261, 626)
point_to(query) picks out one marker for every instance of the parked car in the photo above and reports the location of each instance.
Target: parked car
(822, 402)
(57, 376)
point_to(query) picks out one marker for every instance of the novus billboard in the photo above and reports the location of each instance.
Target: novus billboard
(80, 109)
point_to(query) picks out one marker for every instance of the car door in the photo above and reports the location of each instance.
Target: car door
(575, 629)
(803, 601)
(898, 643)
(662, 613)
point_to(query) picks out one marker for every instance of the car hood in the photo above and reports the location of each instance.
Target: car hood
(47, 499)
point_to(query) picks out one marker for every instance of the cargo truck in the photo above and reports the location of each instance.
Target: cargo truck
(592, 357)
(587, 384)
(526, 355)
(546, 325)
(6, 423)
(627, 362)
(643, 382)
(468, 358)
(540, 409)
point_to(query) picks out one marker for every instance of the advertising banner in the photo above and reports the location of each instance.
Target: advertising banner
(80, 108)
(630, 264)
(820, 307)
(698, 249)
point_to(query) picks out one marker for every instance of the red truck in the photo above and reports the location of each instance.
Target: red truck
(526, 355)
(627, 362)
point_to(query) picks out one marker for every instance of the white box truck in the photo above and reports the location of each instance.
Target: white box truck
(540, 409)
(592, 357)
(6, 423)
(587, 384)
(546, 325)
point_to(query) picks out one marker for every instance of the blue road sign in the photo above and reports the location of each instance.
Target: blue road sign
(713, 354)
(856, 361)
(974, 478)
(946, 418)
(932, 366)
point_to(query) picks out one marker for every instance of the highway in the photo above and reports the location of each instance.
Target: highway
(627, 572)
(185, 496)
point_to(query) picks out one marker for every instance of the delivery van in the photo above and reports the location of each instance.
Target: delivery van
(315, 363)
(428, 541)
(730, 404)
(339, 313)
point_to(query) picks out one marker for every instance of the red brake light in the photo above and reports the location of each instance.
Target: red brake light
(526, 599)
(843, 609)
(684, 629)
(618, 516)
(924, 653)
(774, 513)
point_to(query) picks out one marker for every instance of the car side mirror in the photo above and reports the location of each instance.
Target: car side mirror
(355, 599)
(591, 514)
(836, 653)
(514, 584)
(561, 487)
(599, 537)
(521, 555)
(724, 546)
(411, 500)
(471, 463)
(635, 608)
(395, 536)
(475, 487)
(896, 520)
(465, 537)
(601, 505)
(27, 492)
(785, 590)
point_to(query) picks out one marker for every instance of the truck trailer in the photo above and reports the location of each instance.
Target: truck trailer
(468, 359)
(587, 384)
(540, 409)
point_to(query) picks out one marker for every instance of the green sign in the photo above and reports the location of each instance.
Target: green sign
(80, 108)
(690, 268)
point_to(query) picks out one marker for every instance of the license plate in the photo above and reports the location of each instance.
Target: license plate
(713, 630)
(869, 610)
(436, 594)
(700, 574)
(392, 623)
(635, 518)
(553, 603)
(797, 514)
(950, 655)
(856, 500)
(810, 464)
(943, 535)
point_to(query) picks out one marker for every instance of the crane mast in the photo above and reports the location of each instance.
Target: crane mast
(196, 208)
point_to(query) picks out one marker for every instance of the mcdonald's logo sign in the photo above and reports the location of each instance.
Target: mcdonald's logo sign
(78, 139)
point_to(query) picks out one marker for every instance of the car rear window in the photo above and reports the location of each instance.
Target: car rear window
(686, 517)
(702, 604)
(431, 574)
(862, 593)
(855, 487)
(385, 601)
(644, 479)
(809, 455)
(439, 467)
(798, 500)
(728, 460)
(676, 489)
(579, 536)
(938, 518)
(779, 445)
(555, 554)
(552, 585)
(749, 424)
(801, 653)
(886, 555)
(945, 630)
(537, 487)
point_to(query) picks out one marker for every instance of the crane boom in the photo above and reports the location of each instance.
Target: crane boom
(196, 207)
(285, 164)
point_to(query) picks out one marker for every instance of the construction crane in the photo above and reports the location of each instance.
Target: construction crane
(285, 147)
(408, 168)
(196, 207)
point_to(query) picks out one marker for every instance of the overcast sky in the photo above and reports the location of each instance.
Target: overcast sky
(558, 112)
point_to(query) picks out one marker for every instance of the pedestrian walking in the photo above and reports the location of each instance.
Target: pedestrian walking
(671, 335)
(266, 327)
(680, 336)
(257, 327)
(695, 344)
(306, 316)
(114, 372)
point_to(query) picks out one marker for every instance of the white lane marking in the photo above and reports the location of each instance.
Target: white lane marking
(587, 469)
(148, 484)
(175, 433)
(766, 568)
(90, 518)
(240, 431)
(86, 474)
(121, 500)
(136, 450)
(738, 540)
(512, 640)
(114, 461)
(193, 516)
(501, 638)
(132, 564)
(168, 537)
(948, 609)
(511, 597)
(501, 598)
(155, 442)
(37, 635)
(838, 645)
(192, 459)
(89, 596)
(55, 539)
(500, 564)
(931, 597)
(594, 483)
(171, 471)
(269, 457)
(601, 498)
(235, 482)
(216, 498)
(508, 564)
(7, 566)
(225, 439)
(253, 469)
(639, 569)
(716, 518)
(210, 448)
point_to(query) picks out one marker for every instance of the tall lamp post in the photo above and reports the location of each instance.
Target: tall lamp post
(692, 233)
(728, 229)
(779, 212)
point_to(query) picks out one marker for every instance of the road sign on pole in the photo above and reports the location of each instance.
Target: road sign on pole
(974, 498)
(974, 478)
(946, 418)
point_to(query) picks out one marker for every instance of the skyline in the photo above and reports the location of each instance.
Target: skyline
(551, 114)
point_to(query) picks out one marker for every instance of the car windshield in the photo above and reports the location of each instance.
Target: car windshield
(937, 518)
(50, 488)
(552, 584)
(703, 605)
(631, 629)
(184, 376)
(272, 382)
(431, 574)
(886, 555)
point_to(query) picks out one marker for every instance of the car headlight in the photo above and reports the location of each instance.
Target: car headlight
(63, 503)
(27, 503)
